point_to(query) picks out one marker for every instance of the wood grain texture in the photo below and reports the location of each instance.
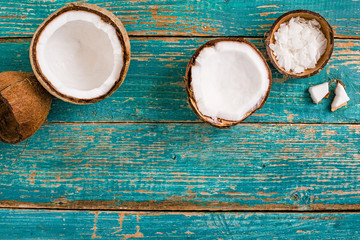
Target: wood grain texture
(154, 89)
(128, 153)
(184, 167)
(15, 224)
(186, 17)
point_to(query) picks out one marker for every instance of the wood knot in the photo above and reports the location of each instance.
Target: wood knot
(300, 197)
(295, 197)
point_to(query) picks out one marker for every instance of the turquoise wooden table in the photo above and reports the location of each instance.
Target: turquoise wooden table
(141, 165)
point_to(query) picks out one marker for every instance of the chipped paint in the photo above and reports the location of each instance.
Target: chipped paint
(148, 158)
(31, 178)
(120, 220)
(268, 13)
(93, 236)
(269, 6)
(176, 225)
(138, 234)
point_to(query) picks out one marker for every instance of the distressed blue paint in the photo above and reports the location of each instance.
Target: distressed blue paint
(154, 88)
(188, 166)
(17, 224)
(186, 17)
(184, 166)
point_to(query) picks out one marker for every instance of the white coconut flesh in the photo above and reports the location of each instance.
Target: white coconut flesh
(80, 55)
(318, 92)
(341, 98)
(229, 80)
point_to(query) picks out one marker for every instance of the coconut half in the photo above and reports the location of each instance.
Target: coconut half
(80, 53)
(227, 80)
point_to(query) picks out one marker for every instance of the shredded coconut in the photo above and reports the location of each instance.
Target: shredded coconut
(299, 44)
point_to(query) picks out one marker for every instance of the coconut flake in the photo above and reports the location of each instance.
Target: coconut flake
(341, 98)
(319, 92)
(229, 80)
(299, 44)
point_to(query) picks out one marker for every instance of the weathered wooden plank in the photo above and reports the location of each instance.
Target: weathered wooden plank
(154, 88)
(15, 224)
(184, 166)
(186, 17)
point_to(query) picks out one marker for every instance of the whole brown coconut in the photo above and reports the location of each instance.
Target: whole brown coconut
(24, 106)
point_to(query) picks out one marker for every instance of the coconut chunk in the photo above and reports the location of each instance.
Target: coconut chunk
(229, 79)
(341, 98)
(319, 92)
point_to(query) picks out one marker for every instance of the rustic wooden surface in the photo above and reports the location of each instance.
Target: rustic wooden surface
(154, 87)
(174, 225)
(184, 167)
(187, 17)
(291, 170)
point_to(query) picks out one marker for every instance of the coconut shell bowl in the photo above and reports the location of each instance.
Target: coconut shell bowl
(325, 28)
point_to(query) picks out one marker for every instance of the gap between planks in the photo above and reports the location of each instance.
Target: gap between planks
(344, 211)
(341, 37)
(196, 122)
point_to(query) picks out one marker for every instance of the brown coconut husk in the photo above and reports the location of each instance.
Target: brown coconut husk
(107, 17)
(24, 106)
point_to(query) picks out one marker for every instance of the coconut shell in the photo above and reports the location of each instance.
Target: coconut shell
(108, 18)
(325, 28)
(24, 106)
(221, 123)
